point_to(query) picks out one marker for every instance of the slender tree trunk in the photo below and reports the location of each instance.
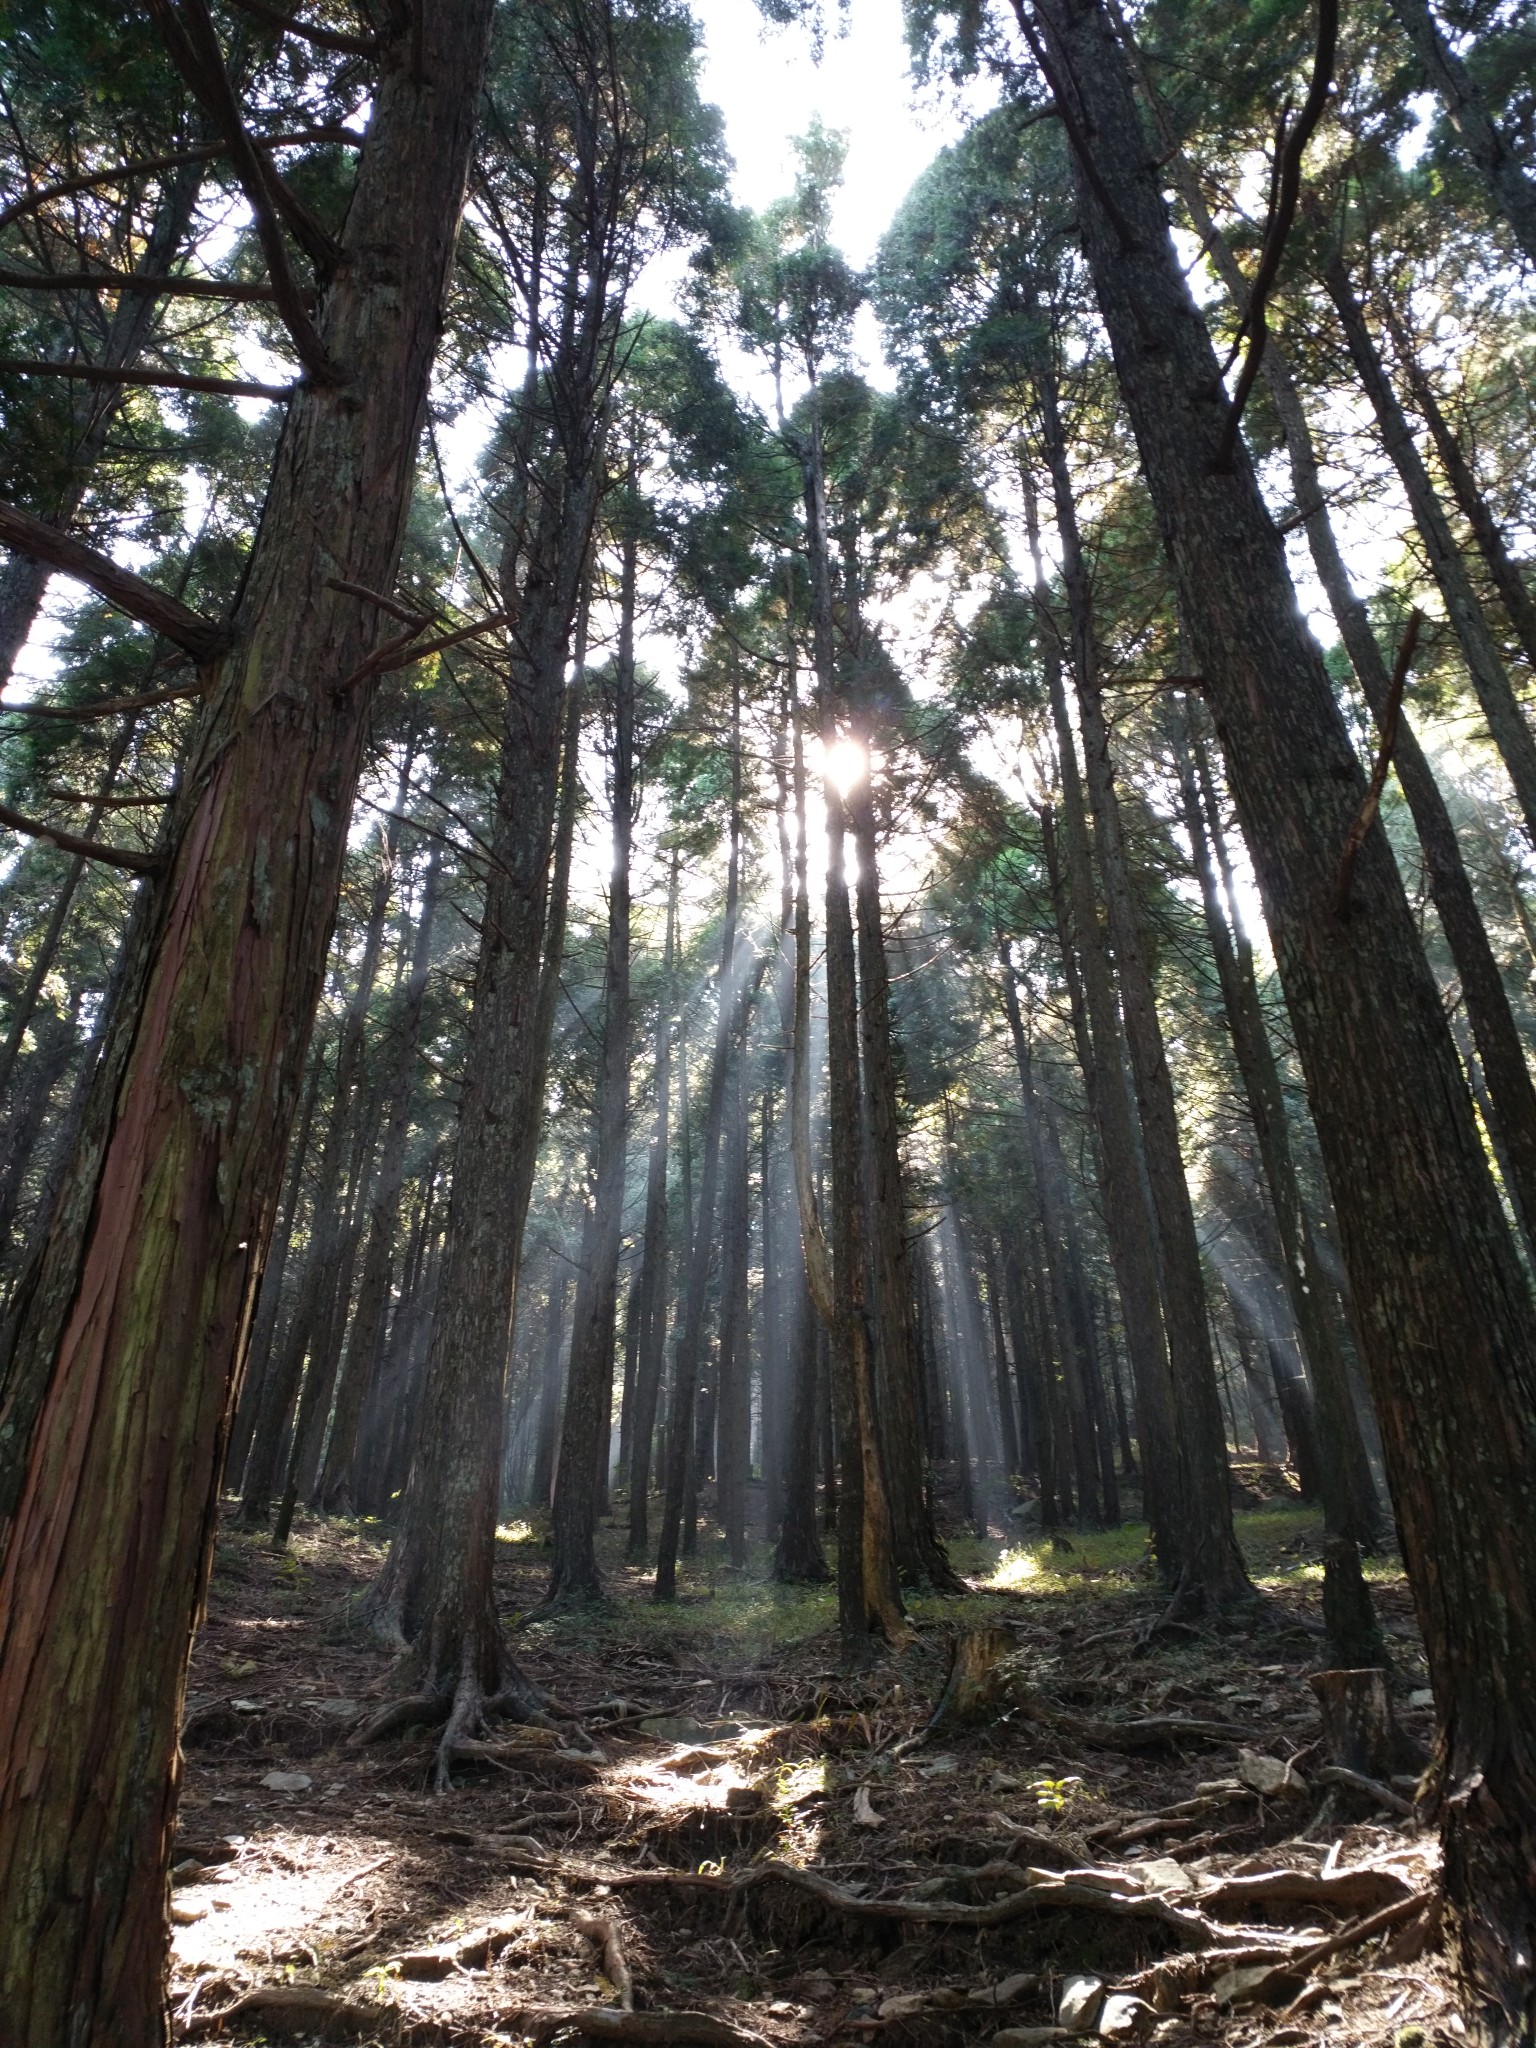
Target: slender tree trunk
(1507, 724)
(1445, 1317)
(574, 1576)
(1482, 983)
(690, 1343)
(1211, 1569)
(1128, 1220)
(653, 1270)
(114, 1438)
(551, 1380)
(733, 1413)
(1005, 1407)
(1344, 1478)
(1511, 190)
(367, 1329)
(435, 1593)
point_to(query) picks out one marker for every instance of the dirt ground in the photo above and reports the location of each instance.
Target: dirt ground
(727, 1840)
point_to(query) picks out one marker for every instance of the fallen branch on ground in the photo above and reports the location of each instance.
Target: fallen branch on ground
(1370, 1788)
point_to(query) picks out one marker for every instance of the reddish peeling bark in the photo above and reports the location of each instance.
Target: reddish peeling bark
(127, 1351)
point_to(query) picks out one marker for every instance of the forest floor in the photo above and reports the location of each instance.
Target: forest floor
(742, 1854)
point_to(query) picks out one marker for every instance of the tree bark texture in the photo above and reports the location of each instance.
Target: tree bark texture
(1441, 1304)
(109, 1491)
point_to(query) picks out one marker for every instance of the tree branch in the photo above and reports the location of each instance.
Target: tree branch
(134, 281)
(159, 380)
(111, 707)
(1282, 214)
(146, 166)
(322, 38)
(165, 615)
(193, 44)
(1389, 718)
(87, 849)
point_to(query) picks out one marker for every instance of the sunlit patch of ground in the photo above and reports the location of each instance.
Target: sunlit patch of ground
(728, 1733)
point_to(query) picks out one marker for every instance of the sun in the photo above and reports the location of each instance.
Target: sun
(846, 762)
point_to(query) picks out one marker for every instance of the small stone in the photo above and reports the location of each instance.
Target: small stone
(939, 1767)
(1125, 2018)
(1236, 1984)
(1421, 1697)
(1081, 1998)
(1006, 1990)
(1269, 1775)
(287, 1781)
(248, 1706)
(1163, 1874)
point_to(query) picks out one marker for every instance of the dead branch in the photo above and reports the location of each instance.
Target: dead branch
(1288, 1968)
(192, 41)
(1282, 215)
(1391, 712)
(87, 849)
(322, 38)
(1349, 1890)
(306, 2002)
(163, 614)
(156, 380)
(403, 612)
(140, 281)
(85, 798)
(110, 707)
(605, 1932)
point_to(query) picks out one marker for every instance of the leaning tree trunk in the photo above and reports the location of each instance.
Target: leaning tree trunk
(114, 1438)
(1444, 1312)
(1344, 1475)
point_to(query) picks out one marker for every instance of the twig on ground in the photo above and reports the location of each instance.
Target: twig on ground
(1371, 1788)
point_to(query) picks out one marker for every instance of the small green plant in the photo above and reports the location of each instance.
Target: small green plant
(1054, 1795)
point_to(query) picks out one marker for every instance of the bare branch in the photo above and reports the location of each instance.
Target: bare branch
(1282, 214)
(112, 707)
(163, 380)
(87, 849)
(120, 587)
(193, 44)
(1389, 718)
(134, 281)
(322, 38)
(146, 166)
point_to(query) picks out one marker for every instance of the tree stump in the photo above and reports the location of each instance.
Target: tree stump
(972, 1690)
(1359, 1731)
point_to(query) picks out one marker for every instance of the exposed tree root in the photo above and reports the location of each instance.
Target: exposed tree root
(1283, 1964)
(1369, 1788)
(611, 2023)
(421, 1710)
(302, 2004)
(605, 1932)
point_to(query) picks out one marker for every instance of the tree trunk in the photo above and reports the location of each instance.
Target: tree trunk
(733, 1445)
(435, 1593)
(551, 1380)
(1211, 1570)
(363, 1339)
(690, 1343)
(1482, 983)
(1344, 1476)
(115, 1438)
(574, 1576)
(653, 1267)
(1509, 185)
(1128, 1221)
(1446, 1324)
(920, 1556)
(1507, 723)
